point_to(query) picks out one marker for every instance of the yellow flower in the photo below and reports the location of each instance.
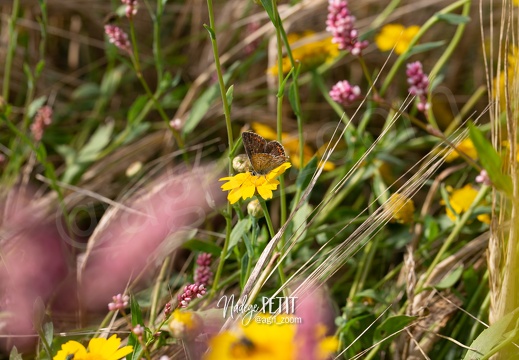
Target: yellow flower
(184, 324)
(309, 54)
(261, 340)
(467, 147)
(460, 201)
(516, 2)
(397, 36)
(291, 145)
(245, 185)
(98, 349)
(401, 208)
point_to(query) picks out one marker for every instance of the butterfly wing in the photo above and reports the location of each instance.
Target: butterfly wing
(253, 143)
(275, 148)
(264, 163)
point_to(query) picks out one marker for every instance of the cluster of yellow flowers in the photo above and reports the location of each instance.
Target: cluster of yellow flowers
(310, 54)
(262, 340)
(396, 36)
(98, 349)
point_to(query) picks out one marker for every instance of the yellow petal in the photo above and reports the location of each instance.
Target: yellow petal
(70, 348)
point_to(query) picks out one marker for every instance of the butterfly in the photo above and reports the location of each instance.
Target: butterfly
(263, 155)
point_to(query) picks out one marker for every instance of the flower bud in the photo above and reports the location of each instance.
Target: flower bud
(254, 209)
(241, 163)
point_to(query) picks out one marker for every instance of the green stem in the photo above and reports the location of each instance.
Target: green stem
(445, 56)
(282, 277)
(157, 52)
(11, 47)
(230, 138)
(219, 270)
(279, 115)
(138, 71)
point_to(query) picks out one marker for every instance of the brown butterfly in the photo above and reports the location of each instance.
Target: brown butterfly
(264, 156)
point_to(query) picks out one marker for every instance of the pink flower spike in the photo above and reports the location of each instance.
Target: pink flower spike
(340, 23)
(131, 8)
(483, 178)
(203, 273)
(190, 291)
(42, 119)
(418, 84)
(344, 93)
(118, 37)
(138, 330)
(119, 302)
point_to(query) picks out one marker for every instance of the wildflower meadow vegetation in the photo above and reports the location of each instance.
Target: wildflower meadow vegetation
(239, 179)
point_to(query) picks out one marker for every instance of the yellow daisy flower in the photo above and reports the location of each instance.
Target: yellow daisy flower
(291, 145)
(184, 324)
(262, 340)
(460, 201)
(309, 54)
(245, 185)
(98, 349)
(397, 36)
(467, 147)
(401, 208)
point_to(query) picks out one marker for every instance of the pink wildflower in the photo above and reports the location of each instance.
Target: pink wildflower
(119, 302)
(340, 23)
(418, 84)
(190, 292)
(138, 330)
(203, 273)
(42, 119)
(131, 7)
(483, 178)
(167, 310)
(118, 37)
(344, 93)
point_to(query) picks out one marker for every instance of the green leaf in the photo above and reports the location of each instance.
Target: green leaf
(229, 95)
(431, 229)
(88, 153)
(241, 227)
(38, 313)
(391, 327)
(86, 91)
(491, 337)
(202, 105)
(35, 105)
(48, 332)
(111, 81)
(299, 222)
(210, 31)
(281, 90)
(136, 108)
(267, 5)
(136, 320)
(453, 19)
(490, 160)
(450, 279)
(305, 175)
(39, 67)
(424, 47)
(202, 246)
(136, 131)
(15, 355)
